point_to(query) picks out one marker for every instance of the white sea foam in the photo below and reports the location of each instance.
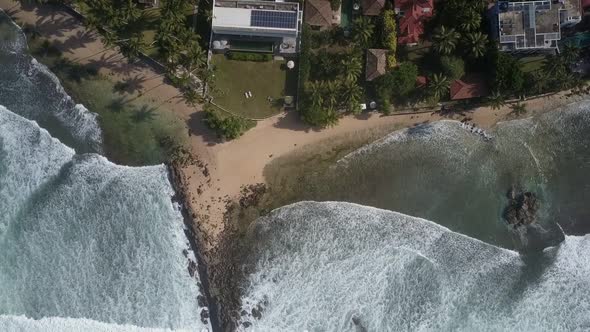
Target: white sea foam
(322, 266)
(81, 237)
(59, 324)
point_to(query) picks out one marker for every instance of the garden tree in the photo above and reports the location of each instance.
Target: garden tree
(335, 4)
(319, 103)
(352, 67)
(508, 77)
(132, 47)
(453, 67)
(518, 109)
(362, 31)
(438, 84)
(403, 80)
(389, 36)
(476, 43)
(397, 84)
(496, 100)
(536, 83)
(570, 53)
(352, 94)
(470, 19)
(327, 65)
(554, 66)
(228, 127)
(191, 96)
(449, 10)
(445, 39)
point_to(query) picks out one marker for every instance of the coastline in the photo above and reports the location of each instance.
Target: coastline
(192, 234)
(204, 191)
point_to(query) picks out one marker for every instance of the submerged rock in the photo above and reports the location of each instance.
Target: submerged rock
(521, 214)
(522, 208)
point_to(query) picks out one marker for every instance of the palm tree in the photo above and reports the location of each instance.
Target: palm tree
(438, 85)
(570, 53)
(496, 100)
(314, 90)
(477, 43)
(539, 82)
(470, 20)
(331, 89)
(353, 68)
(553, 66)
(445, 40)
(362, 30)
(191, 97)
(352, 95)
(518, 109)
(132, 47)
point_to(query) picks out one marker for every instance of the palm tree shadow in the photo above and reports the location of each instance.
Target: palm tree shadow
(117, 105)
(130, 85)
(145, 113)
(79, 40)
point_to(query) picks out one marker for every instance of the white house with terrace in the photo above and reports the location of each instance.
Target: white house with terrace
(256, 26)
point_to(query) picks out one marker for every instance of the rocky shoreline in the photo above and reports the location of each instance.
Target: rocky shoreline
(205, 299)
(218, 268)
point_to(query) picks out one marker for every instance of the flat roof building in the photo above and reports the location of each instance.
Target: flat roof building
(250, 20)
(535, 24)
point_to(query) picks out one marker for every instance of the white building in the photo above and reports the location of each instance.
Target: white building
(247, 22)
(526, 25)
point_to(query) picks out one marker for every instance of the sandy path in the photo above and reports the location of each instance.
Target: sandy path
(231, 164)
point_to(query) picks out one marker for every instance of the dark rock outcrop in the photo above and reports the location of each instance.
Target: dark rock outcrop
(522, 208)
(529, 234)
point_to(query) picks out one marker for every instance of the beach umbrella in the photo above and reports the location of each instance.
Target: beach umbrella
(290, 64)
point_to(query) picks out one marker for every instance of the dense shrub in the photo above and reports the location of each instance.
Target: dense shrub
(228, 127)
(453, 67)
(247, 56)
(390, 36)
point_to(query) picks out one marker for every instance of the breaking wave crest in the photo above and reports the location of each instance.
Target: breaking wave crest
(345, 267)
(31, 90)
(81, 237)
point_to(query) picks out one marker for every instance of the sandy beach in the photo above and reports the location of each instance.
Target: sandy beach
(234, 164)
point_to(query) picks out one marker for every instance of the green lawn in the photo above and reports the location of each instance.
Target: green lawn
(263, 79)
(531, 63)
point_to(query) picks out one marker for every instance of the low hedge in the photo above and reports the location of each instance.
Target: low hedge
(247, 56)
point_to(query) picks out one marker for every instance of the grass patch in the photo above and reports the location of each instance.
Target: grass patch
(531, 63)
(263, 79)
(135, 132)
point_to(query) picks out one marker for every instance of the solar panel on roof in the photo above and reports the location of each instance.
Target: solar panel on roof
(273, 19)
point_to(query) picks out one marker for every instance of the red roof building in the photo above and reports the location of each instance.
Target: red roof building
(469, 86)
(412, 15)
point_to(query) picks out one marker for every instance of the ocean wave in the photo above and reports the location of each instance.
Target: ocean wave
(82, 237)
(60, 324)
(345, 267)
(30, 89)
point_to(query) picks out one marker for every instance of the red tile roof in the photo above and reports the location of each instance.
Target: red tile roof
(470, 86)
(372, 7)
(411, 24)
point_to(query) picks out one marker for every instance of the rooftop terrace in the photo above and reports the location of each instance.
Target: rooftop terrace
(535, 24)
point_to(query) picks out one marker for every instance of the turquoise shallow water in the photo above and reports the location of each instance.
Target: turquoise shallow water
(84, 244)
